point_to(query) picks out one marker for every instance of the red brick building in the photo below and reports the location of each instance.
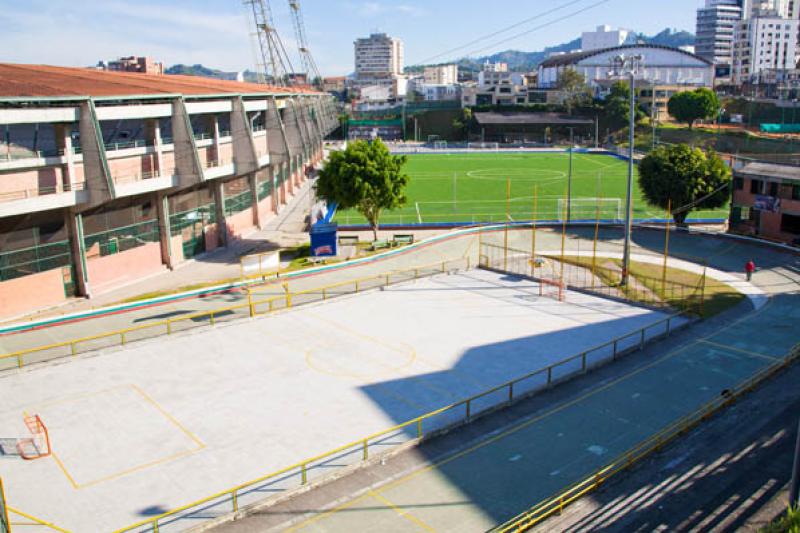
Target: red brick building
(766, 201)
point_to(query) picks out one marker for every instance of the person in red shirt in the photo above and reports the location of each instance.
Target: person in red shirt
(749, 268)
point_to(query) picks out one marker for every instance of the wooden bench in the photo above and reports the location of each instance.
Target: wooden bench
(379, 245)
(351, 240)
(403, 239)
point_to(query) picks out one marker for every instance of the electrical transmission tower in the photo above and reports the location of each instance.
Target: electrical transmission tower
(309, 66)
(271, 58)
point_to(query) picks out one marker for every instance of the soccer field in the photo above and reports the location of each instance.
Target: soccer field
(472, 187)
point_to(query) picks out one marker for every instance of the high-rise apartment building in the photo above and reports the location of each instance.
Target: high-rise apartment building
(716, 26)
(378, 57)
(765, 41)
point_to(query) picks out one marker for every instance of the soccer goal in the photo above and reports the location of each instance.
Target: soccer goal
(38, 444)
(592, 208)
(440, 145)
(483, 146)
(551, 285)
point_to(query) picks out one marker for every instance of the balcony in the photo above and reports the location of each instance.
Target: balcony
(144, 182)
(29, 199)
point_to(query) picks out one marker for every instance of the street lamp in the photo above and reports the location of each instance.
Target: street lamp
(627, 65)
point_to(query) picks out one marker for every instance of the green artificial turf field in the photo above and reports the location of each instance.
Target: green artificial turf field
(472, 187)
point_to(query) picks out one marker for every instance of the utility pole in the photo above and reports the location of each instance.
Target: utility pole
(627, 65)
(569, 178)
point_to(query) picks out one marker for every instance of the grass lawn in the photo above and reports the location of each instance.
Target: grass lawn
(472, 188)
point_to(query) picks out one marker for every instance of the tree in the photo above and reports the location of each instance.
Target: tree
(463, 123)
(684, 178)
(573, 90)
(365, 177)
(617, 106)
(690, 106)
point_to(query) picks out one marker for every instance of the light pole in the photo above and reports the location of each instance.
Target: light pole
(569, 178)
(627, 65)
(653, 113)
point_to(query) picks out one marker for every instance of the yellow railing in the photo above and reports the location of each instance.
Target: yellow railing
(33, 521)
(417, 428)
(556, 504)
(250, 308)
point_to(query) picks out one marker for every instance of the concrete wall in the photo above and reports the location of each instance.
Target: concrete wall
(28, 293)
(30, 183)
(240, 223)
(106, 272)
(129, 169)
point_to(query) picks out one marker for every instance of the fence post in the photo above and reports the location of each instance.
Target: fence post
(387, 280)
(235, 501)
(356, 285)
(641, 341)
(615, 349)
(549, 375)
(250, 302)
(583, 362)
(511, 393)
(211, 315)
(366, 450)
(169, 327)
(72, 348)
(469, 409)
(303, 475)
(324, 294)
(419, 428)
(122, 337)
(669, 319)
(19, 360)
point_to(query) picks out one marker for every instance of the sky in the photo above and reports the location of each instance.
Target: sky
(215, 33)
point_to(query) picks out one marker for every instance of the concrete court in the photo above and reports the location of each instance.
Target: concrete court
(139, 431)
(493, 480)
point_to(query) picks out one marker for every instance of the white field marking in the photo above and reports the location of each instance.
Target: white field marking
(499, 173)
(419, 216)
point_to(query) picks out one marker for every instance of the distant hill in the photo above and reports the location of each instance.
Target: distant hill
(527, 61)
(205, 72)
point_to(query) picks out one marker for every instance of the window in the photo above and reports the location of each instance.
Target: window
(795, 192)
(738, 184)
(773, 189)
(790, 224)
(755, 186)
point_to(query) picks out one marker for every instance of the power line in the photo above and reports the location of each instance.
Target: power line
(541, 26)
(503, 30)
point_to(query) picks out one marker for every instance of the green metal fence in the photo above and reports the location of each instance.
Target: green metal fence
(239, 202)
(191, 226)
(265, 188)
(39, 258)
(124, 238)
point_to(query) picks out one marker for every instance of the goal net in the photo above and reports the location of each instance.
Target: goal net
(592, 208)
(483, 146)
(38, 444)
(545, 271)
(440, 145)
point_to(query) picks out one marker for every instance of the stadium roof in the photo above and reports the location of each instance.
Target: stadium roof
(574, 57)
(43, 81)
(770, 171)
(527, 119)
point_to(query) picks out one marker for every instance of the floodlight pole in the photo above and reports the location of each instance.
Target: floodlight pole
(569, 178)
(619, 64)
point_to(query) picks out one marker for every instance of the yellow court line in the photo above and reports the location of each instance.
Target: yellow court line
(79, 396)
(169, 417)
(200, 445)
(402, 512)
(739, 350)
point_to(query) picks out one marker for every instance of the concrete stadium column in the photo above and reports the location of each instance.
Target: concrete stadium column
(152, 132)
(187, 161)
(286, 185)
(253, 182)
(63, 133)
(245, 154)
(161, 202)
(99, 183)
(219, 208)
(213, 124)
(276, 202)
(73, 221)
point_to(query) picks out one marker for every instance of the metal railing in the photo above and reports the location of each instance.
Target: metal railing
(360, 451)
(138, 143)
(43, 190)
(141, 176)
(20, 154)
(556, 504)
(33, 521)
(279, 299)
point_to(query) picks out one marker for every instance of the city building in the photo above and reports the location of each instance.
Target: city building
(766, 201)
(143, 65)
(605, 37)
(715, 30)
(440, 92)
(334, 84)
(379, 61)
(660, 65)
(441, 75)
(766, 40)
(497, 88)
(107, 177)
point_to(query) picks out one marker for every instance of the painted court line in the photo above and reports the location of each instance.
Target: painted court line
(401, 511)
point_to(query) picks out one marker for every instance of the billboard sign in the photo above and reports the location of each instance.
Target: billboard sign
(767, 203)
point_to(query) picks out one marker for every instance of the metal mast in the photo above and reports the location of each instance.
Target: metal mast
(309, 65)
(272, 61)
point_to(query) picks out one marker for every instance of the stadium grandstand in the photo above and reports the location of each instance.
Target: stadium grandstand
(100, 170)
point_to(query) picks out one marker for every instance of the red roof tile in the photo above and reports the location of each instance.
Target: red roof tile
(47, 81)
